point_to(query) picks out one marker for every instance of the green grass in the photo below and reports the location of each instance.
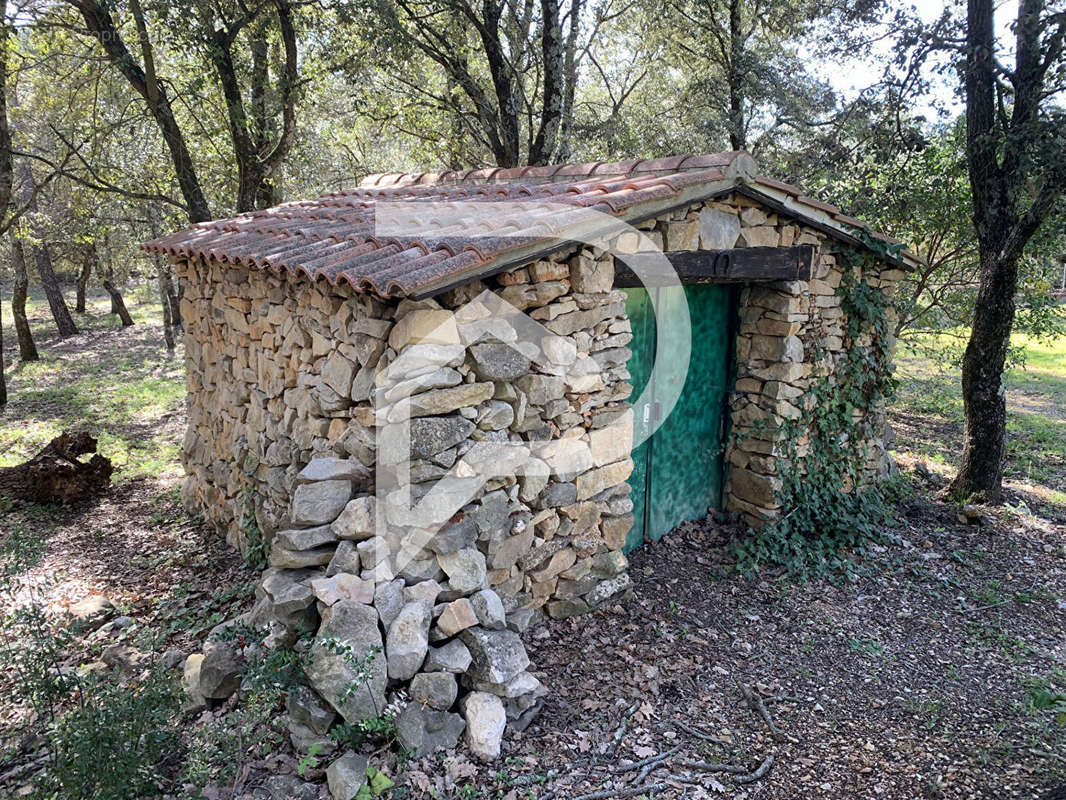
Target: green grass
(928, 413)
(121, 385)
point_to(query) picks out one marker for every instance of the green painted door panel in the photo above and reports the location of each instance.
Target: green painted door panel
(686, 466)
(677, 474)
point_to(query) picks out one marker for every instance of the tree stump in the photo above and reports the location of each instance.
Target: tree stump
(56, 475)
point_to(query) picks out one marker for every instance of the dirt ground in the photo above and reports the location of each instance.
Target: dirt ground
(921, 680)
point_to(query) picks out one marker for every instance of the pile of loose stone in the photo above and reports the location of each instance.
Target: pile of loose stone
(440, 659)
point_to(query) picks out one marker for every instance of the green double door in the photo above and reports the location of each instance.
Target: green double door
(677, 474)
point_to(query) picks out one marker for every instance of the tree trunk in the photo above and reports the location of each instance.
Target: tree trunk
(117, 304)
(983, 394)
(56, 475)
(174, 298)
(554, 55)
(83, 280)
(42, 258)
(56, 302)
(101, 25)
(737, 137)
(3, 372)
(27, 348)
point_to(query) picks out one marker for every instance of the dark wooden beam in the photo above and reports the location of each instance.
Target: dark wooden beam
(739, 265)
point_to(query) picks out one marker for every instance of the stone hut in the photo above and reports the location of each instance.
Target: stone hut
(448, 404)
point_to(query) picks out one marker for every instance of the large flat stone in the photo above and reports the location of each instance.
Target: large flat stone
(320, 503)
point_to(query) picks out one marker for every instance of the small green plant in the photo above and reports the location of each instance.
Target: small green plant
(377, 783)
(79, 718)
(362, 667)
(258, 548)
(134, 725)
(309, 761)
(870, 647)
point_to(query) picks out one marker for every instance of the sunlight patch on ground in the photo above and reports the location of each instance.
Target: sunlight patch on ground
(120, 384)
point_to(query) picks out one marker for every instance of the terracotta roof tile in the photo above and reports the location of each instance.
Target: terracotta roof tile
(441, 229)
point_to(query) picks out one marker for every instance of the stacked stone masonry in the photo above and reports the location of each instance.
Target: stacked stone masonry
(301, 399)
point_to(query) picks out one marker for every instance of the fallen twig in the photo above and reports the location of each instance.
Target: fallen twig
(757, 774)
(742, 773)
(986, 608)
(525, 780)
(707, 766)
(1045, 754)
(647, 762)
(700, 734)
(631, 791)
(759, 707)
(618, 734)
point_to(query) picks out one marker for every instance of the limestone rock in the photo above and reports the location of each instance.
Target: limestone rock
(308, 709)
(291, 598)
(388, 600)
(303, 739)
(305, 538)
(424, 326)
(346, 776)
(489, 610)
(465, 569)
(591, 276)
(564, 609)
(453, 657)
(426, 730)
(485, 723)
(452, 538)
(338, 374)
(283, 558)
(494, 361)
(596, 480)
(408, 641)
(332, 469)
(344, 586)
(497, 656)
(608, 589)
(354, 625)
(458, 616)
(718, 229)
(345, 559)
(320, 502)
(286, 787)
(434, 690)
(541, 389)
(357, 520)
(442, 401)
(195, 699)
(437, 379)
(220, 670)
(432, 435)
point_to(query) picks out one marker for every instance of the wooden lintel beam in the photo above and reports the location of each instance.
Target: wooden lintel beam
(739, 265)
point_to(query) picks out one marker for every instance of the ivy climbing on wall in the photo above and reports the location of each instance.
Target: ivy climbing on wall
(831, 512)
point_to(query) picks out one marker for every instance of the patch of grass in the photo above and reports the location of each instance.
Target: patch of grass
(121, 385)
(928, 412)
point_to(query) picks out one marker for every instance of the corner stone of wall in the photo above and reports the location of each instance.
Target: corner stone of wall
(784, 327)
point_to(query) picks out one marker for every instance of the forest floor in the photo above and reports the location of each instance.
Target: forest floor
(930, 677)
